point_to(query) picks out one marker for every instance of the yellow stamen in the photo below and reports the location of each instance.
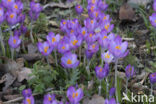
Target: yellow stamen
(46, 49)
(71, 31)
(155, 21)
(14, 41)
(76, 94)
(104, 37)
(92, 21)
(16, 7)
(92, 8)
(90, 35)
(106, 27)
(96, 14)
(104, 18)
(74, 42)
(107, 56)
(63, 47)
(12, 16)
(79, 6)
(29, 101)
(69, 61)
(93, 46)
(64, 23)
(9, 0)
(73, 95)
(153, 75)
(118, 47)
(49, 98)
(84, 32)
(101, 70)
(93, 1)
(73, 22)
(53, 40)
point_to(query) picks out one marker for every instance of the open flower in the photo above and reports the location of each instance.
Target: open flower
(64, 46)
(14, 41)
(78, 8)
(17, 7)
(129, 71)
(26, 92)
(29, 100)
(152, 78)
(107, 57)
(112, 91)
(102, 5)
(48, 98)
(21, 18)
(44, 48)
(69, 60)
(103, 40)
(35, 7)
(118, 48)
(108, 27)
(11, 18)
(102, 72)
(73, 95)
(7, 3)
(91, 37)
(91, 50)
(75, 42)
(2, 15)
(152, 19)
(90, 24)
(53, 40)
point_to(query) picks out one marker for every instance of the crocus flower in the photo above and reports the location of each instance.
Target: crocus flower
(91, 8)
(91, 38)
(104, 17)
(63, 25)
(73, 95)
(102, 72)
(23, 29)
(14, 41)
(152, 78)
(73, 24)
(17, 7)
(102, 5)
(7, 3)
(29, 100)
(152, 19)
(33, 16)
(112, 91)
(26, 92)
(35, 7)
(91, 50)
(94, 2)
(154, 5)
(108, 27)
(129, 71)
(83, 32)
(75, 42)
(90, 24)
(94, 14)
(78, 8)
(103, 40)
(11, 18)
(2, 15)
(53, 40)
(48, 98)
(63, 46)
(118, 48)
(107, 57)
(21, 18)
(69, 60)
(44, 48)
(17, 32)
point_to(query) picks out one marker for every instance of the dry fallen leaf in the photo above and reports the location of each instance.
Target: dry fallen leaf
(140, 2)
(96, 99)
(126, 12)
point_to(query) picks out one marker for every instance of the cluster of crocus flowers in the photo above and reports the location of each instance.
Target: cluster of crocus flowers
(152, 18)
(28, 97)
(74, 96)
(50, 99)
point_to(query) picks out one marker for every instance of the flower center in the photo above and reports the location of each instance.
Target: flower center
(12, 16)
(96, 14)
(93, 46)
(106, 27)
(74, 42)
(92, 8)
(49, 98)
(93, 1)
(76, 94)
(107, 56)
(153, 75)
(84, 32)
(92, 21)
(63, 47)
(73, 95)
(9, 0)
(104, 18)
(64, 23)
(118, 47)
(16, 7)
(69, 61)
(71, 31)
(53, 40)
(104, 37)
(79, 6)
(101, 70)
(29, 101)
(46, 49)
(90, 35)
(14, 41)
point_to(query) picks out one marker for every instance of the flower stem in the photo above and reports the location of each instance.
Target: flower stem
(116, 63)
(12, 53)
(126, 85)
(80, 53)
(31, 28)
(2, 43)
(151, 89)
(107, 83)
(100, 88)
(56, 57)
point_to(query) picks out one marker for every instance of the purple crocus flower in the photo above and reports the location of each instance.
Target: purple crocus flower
(104, 17)
(94, 2)
(107, 57)
(152, 19)
(14, 41)
(83, 32)
(23, 29)
(2, 15)
(63, 46)
(69, 60)
(29, 100)
(17, 32)
(63, 25)
(90, 24)
(129, 71)
(91, 50)
(35, 7)
(102, 5)
(91, 38)
(102, 72)
(152, 78)
(103, 40)
(48, 98)
(17, 7)
(7, 3)
(154, 5)
(73, 95)
(21, 18)
(94, 14)
(26, 92)
(11, 18)
(108, 27)
(118, 48)
(112, 91)
(44, 48)
(53, 40)
(79, 9)
(73, 24)
(75, 42)
(91, 8)
(33, 16)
